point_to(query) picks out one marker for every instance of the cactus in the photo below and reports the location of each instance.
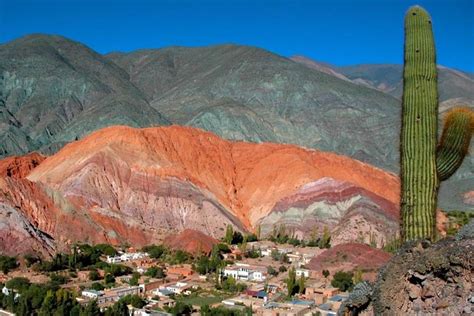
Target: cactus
(423, 163)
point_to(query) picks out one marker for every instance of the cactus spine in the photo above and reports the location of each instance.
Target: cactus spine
(419, 163)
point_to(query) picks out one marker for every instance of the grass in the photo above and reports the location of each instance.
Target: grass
(201, 300)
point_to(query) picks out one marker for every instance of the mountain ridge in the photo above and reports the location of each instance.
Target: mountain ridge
(238, 92)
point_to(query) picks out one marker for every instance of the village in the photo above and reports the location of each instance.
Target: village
(260, 278)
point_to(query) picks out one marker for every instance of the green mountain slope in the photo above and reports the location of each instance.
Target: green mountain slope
(54, 90)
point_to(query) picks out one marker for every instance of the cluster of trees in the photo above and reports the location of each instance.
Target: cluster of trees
(81, 256)
(214, 262)
(7, 264)
(167, 255)
(293, 284)
(281, 235)
(230, 285)
(343, 280)
(272, 271)
(49, 299)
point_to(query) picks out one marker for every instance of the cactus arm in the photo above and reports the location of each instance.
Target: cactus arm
(419, 128)
(455, 140)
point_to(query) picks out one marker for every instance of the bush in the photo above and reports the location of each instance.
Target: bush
(155, 251)
(97, 286)
(94, 275)
(7, 263)
(109, 279)
(343, 281)
(272, 271)
(19, 283)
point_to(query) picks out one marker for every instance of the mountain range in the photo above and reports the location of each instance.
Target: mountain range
(54, 91)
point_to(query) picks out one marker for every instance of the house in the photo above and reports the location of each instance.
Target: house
(92, 294)
(319, 293)
(182, 271)
(152, 285)
(241, 271)
(302, 272)
(127, 256)
(117, 293)
(177, 288)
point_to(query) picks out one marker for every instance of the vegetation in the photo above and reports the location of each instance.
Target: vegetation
(220, 310)
(231, 285)
(156, 272)
(424, 163)
(180, 309)
(343, 280)
(155, 251)
(457, 219)
(7, 263)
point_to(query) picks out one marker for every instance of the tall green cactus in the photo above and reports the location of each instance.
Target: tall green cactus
(421, 170)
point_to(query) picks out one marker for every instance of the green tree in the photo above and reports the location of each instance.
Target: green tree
(357, 276)
(326, 273)
(343, 281)
(118, 309)
(134, 279)
(272, 271)
(19, 283)
(109, 279)
(97, 286)
(325, 241)
(229, 233)
(49, 304)
(291, 281)
(7, 263)
(94, 275)
(155, 251)
(181, 308)
(301, 284)
(91, 309)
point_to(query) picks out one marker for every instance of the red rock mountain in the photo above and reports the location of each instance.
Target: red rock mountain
(139, 185)
(191, 241)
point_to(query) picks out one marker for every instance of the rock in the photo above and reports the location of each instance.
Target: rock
(435, 293)
(414, 291)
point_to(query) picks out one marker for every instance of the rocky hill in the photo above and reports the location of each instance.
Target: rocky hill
(54, 90)
(139, 185)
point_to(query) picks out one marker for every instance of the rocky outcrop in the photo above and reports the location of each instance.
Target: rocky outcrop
(469, 198)
(139, 185)
(192, 241)
(427, 279)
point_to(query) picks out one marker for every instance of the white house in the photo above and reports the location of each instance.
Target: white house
(92, 293)
(302, 272)
(241, 271)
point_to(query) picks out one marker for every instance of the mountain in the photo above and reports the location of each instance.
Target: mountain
(246, 93)
(54, 90)
(388, 78)
(455, 88)
(140, 185)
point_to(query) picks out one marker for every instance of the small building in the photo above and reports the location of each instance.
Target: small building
(183, 271)
(93, 294)
(303, 272)
(241, 271)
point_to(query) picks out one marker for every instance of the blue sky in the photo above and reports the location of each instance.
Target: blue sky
(340, 32)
